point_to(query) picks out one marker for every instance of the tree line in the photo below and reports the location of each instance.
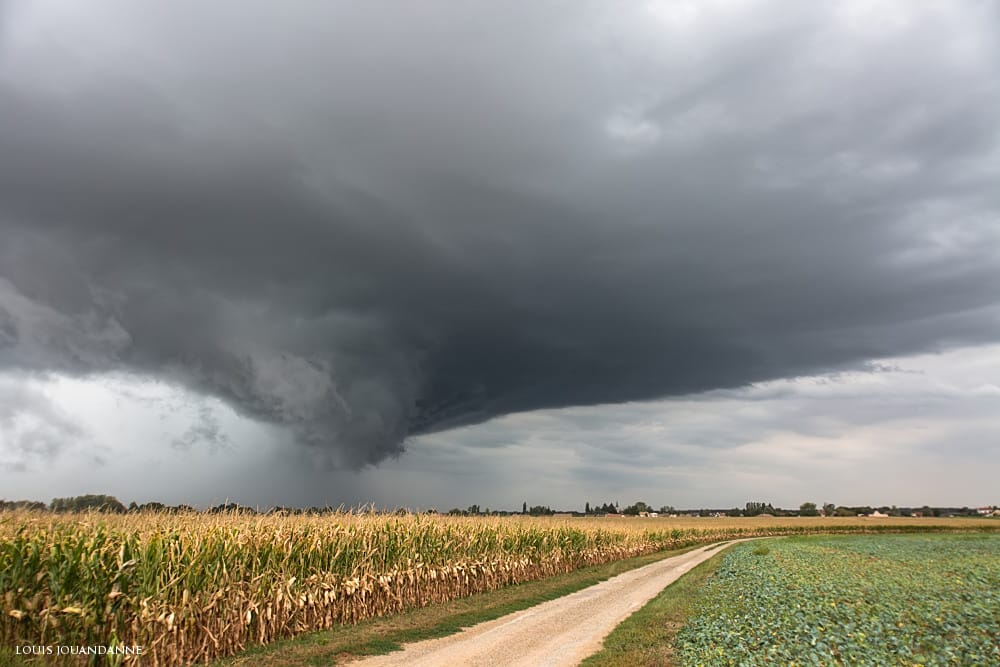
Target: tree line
(92, 502)
(110, 504)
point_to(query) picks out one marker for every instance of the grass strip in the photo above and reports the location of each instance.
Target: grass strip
(384, 635)
(646, 638)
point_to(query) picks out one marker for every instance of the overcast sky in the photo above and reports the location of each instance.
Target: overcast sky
(436, 254)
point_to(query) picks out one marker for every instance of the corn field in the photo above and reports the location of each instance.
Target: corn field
(192, 588)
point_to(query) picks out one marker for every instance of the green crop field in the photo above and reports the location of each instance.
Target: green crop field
(851, 600)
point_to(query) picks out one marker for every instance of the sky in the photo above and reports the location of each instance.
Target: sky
(440, 254)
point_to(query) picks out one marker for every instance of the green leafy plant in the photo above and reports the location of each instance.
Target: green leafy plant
(871, 600)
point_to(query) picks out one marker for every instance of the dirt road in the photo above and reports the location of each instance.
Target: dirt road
(552, 634)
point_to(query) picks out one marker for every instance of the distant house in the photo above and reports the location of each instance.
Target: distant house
(988, 511)
(649, 514)
(878, 515)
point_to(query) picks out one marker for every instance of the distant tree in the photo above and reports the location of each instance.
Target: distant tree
(758, 508)
(829, 509)
(473, 510)
(524, 508)
(808, 509)
(636, 509)
(668, 509)
(89, 502)
(586, 509)
(540, 510)
(30, 505)
(734, 512)
(231, 508)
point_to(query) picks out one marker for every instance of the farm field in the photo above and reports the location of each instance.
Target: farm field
(850, 600)
(192, 588)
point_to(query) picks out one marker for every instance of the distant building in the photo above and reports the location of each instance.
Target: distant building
(878, 515)
(610, 516)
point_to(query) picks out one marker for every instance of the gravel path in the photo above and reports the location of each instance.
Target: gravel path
(552, 634)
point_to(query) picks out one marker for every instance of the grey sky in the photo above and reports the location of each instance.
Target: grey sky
(912, 431)
(342, 224)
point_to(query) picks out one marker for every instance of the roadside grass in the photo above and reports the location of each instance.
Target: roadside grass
(646, 638)
(384, 635)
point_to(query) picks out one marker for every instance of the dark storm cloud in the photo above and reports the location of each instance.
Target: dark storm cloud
(365, 221)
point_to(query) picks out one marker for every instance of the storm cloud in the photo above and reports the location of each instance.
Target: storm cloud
(365, 221)
(36, 430)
